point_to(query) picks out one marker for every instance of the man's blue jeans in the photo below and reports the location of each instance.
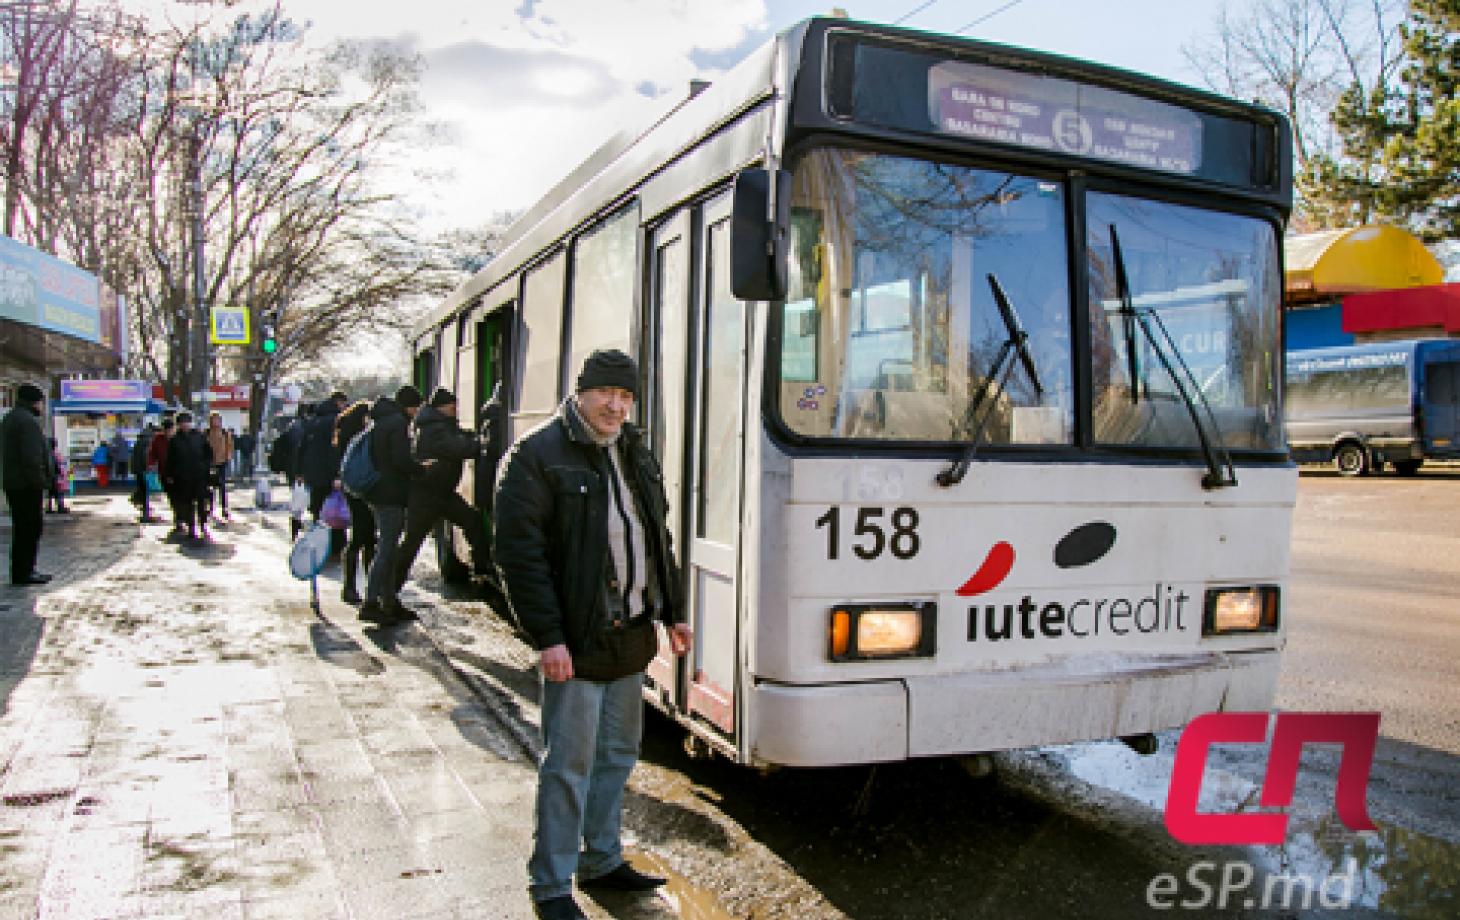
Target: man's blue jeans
(591, 737)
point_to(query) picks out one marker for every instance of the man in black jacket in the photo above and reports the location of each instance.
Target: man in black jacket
(390, 453)
(318, 459)
(437, 437)
(582, 543)
(186, 473)
(25, 461)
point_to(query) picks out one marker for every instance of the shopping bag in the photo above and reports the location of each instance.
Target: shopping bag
(310, 552)
(263, 492)
(336, 511)
(299, 501)
(154, 482)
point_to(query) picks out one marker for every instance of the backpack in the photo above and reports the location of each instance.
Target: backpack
(357, 469)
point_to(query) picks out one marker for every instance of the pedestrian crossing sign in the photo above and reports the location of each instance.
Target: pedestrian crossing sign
(229, 326)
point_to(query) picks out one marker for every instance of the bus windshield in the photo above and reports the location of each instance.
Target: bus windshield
(890, 328)
(1212, 279)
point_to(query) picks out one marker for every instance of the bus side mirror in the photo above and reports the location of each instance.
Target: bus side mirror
(757, 242)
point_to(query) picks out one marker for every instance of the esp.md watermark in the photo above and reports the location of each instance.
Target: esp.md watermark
(1208, 885)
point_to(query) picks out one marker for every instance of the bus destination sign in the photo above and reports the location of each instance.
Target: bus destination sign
(1030, 110)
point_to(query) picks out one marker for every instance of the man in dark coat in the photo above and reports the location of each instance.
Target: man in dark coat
(189, 462)
(318, 459)
(390, 453)
(141, 495)
(582, 543)
(437, 437)
(23, 454)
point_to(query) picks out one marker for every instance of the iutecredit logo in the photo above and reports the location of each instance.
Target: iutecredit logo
(1357, 732)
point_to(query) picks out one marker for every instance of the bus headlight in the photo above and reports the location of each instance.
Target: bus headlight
(1240, 610)
(861, 632)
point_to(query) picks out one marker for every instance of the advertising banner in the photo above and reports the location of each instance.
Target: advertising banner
(41, 290)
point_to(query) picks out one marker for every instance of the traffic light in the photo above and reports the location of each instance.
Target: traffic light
(267, 341)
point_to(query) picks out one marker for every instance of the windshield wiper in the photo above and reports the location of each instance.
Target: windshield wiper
(993, 387)
(1220, 471)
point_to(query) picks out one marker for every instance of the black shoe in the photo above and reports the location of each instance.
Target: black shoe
(564, 908)
(350, 596)
(372, 612)
(34, 578)
(624, 878)
(400, 613)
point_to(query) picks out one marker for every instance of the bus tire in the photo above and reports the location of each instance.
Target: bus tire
(1350, 459)
(453, 570)
(1407, 467)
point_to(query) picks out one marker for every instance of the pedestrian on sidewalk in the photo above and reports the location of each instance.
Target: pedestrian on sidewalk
(437, 437)
(141, 452)
(157, 460)
(23, 454)
(583, 547)
(58, 482)
(284, 457)
(220, 445)
(390, 451)
(318, 462)
(188, 464)
(361, 549)
(101, 465)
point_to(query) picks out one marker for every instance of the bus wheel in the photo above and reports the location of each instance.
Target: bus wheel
(1350, 459)
(1407, 467)
(453, 570)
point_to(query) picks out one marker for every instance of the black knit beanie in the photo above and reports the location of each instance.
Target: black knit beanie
(408, 397)
(609, 367)
(442, 397)
(29, 393)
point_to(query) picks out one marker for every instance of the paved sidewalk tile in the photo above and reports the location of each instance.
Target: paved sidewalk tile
(181, 735)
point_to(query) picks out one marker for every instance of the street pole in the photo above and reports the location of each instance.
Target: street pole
(199, 274)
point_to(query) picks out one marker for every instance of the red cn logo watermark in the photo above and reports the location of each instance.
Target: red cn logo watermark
(1357, 732)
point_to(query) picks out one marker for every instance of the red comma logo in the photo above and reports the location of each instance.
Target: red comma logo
(1357, 732)
(1082, 546)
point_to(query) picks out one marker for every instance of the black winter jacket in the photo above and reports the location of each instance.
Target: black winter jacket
(437, 436)
(25, 456)
(318, 462)
(550, 530)
(390, 451)
(189, 461)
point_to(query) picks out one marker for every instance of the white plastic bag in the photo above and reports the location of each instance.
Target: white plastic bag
(299, 501)
(310, 552)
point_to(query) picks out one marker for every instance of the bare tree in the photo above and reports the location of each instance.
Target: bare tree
(1299, 56)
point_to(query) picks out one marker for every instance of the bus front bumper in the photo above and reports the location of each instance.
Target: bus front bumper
(1093, 699)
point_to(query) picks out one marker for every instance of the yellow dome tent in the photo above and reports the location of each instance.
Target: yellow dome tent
(1330, 263)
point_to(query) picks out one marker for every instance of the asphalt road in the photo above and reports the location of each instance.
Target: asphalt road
(1374, 603)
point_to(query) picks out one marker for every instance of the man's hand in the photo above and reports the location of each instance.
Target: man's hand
(556, 663)
(681, 637)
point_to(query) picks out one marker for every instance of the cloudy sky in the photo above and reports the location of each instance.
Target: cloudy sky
(528, 88)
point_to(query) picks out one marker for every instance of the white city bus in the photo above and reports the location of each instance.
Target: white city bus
(962, 363)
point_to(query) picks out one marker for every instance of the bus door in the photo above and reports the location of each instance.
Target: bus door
(493, 377)
(717, 407)
(665, 351)
(1442, 403)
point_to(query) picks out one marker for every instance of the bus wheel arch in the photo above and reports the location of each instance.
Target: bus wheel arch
(1351, 457)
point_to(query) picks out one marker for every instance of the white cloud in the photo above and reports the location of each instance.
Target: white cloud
(528, 88)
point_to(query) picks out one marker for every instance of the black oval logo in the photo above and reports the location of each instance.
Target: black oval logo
(1084, 545)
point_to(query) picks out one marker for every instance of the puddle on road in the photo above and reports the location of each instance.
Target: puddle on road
(682, 898)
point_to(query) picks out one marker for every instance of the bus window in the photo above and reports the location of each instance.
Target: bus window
(602, 304)
(1214, 280)
(542, 320)
(890, 327)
